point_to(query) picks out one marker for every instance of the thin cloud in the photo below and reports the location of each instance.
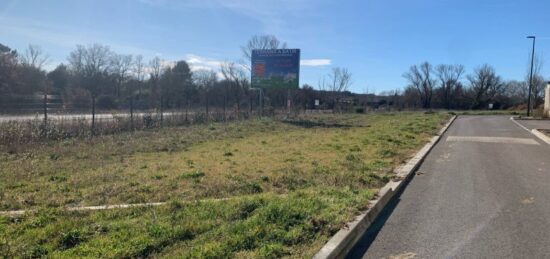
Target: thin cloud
(197, 62)
(315, 62)
(272, 19)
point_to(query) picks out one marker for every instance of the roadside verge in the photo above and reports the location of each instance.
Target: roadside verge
(344, 240)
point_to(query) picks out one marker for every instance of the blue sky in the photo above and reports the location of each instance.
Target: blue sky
(377, 40)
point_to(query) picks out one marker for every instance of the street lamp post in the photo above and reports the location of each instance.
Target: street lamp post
(531, 77)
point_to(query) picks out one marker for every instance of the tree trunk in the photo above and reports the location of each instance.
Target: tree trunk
(207, 114)
(224, 105)
(186, 109)
(131, 112)
(45, 107)
(161, 110)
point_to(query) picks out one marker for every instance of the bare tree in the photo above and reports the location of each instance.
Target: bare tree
(485, 85)
(420, 78)
(121, 66)
(76, 60)
(205, 80)
(155, 73)
(515, 91)
(155, 68)
(538, 83)
(238, 79)
(30, 75)
(339, 81)
(139, 71)
(259, 42)
(449, 77)
(34, 57)
(91, 65)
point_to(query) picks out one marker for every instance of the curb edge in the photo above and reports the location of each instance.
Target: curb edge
(345, 239)
(535, 132)
(541, 135)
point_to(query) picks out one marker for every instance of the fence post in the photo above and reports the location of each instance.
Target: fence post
(93, 114)
(131, 112)
(45, 107)
(161, 111)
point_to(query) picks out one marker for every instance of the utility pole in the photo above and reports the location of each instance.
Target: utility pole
(531, 76)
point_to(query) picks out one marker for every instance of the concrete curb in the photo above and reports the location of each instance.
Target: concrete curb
(535, 132)
(344, 240)
(541, 136)
(513, 118)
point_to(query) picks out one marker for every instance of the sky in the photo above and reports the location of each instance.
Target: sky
(376, 40)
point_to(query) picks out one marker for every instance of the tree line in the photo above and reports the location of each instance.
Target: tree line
(95, 76)
(449, 87)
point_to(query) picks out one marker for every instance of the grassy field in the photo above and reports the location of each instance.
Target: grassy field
(290, 184)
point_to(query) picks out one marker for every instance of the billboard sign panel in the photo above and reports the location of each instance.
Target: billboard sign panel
(275, 68)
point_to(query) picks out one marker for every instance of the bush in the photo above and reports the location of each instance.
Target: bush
(70, 239)
(360, 110)
(78, 98)
(106, 102)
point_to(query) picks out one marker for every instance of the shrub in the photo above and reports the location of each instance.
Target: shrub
(36, 251)
(70, 239)
(106, 102)
(148, 121)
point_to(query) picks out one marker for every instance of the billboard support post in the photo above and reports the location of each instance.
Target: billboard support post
(288, 102)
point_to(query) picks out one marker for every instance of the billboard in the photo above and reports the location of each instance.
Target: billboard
(275, 68)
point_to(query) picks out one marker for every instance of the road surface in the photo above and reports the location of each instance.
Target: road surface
(483, 192)
(535, 124)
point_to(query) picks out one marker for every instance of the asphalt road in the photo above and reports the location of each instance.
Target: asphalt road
(535, 124)
(483, 192)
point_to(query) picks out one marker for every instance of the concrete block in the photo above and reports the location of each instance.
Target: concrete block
(547, 101)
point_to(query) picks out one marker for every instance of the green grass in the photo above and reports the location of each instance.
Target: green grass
(292, 185)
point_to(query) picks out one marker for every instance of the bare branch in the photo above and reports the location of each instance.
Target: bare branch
(34, 57)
